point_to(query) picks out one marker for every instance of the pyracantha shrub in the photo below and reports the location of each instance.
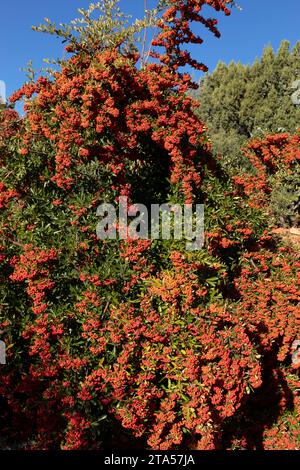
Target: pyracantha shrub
(9, 119)
(272, 182)
(176, 30)
(132, 337)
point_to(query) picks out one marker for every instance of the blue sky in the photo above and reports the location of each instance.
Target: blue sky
(244, 34)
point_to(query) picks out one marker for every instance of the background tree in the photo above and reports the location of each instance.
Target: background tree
(249, 100)
(239, 102)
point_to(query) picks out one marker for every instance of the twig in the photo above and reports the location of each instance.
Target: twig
(150, 47)
(144, 38)
(14, 242)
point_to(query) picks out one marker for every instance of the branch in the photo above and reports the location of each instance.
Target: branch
(144, 38)
(14, 242)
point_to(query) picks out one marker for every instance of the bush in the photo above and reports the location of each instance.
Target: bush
(272, 181)
(170, 344)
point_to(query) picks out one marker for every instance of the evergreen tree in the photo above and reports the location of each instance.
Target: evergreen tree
(238, 101)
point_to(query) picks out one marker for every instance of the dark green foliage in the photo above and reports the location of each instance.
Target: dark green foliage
(285, 198)
(239, 102)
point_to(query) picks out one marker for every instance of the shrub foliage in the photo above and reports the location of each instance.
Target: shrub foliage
(136, 337)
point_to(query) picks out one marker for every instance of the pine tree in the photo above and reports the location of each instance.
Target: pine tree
(238, 101)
